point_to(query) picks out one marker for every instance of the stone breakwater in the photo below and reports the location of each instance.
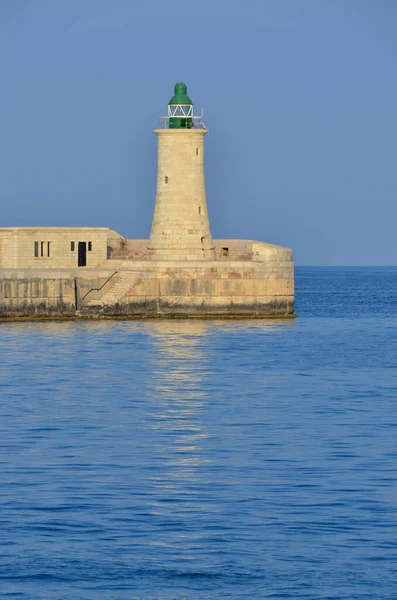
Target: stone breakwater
(260, 287)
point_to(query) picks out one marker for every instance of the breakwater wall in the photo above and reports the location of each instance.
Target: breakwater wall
(151, 289)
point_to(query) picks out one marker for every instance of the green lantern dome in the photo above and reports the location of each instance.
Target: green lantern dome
(180, 108)
(180, 94)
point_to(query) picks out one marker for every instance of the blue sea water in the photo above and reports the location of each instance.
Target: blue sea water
(205, 459)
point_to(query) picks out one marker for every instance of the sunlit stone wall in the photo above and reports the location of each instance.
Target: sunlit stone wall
(54, 246)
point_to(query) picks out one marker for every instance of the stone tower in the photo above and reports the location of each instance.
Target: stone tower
(180, 227)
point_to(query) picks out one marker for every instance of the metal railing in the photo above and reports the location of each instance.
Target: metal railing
(196, 123)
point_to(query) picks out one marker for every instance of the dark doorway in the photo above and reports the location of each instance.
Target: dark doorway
(82, 254)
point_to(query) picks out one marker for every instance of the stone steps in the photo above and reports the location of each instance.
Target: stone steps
(117, 288)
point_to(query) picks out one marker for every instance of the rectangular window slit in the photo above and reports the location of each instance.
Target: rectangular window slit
(48, 249)
(36, 249)
(199, 210)
(42, 249)
(166, 179)
(89, 246)
(225, 251)
(72, 246)
(197, 151)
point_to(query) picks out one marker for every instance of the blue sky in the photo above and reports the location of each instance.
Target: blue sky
(300, 98)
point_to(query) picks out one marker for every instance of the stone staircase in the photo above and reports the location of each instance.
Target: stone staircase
(116, 289)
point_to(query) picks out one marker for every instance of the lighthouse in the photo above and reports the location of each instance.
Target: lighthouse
(180, 228)
(179, 272)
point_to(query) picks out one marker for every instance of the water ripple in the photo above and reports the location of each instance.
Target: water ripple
(194, 460)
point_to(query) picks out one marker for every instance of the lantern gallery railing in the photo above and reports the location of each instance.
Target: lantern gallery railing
(184, 122)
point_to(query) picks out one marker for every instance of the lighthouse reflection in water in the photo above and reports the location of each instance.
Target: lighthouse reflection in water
(178, 414)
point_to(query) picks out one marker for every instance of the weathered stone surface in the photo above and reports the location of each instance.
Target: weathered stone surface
(152, 288)
(180, 227)
(37, 296)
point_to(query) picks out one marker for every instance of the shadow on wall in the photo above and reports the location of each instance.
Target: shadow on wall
(119, 247)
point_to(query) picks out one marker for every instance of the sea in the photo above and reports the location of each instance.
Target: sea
(205, 459)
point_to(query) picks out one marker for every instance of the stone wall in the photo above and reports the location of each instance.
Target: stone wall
(52, 246)
(233, 249)
(197, 288)
(48, 293)
(121, 248)
(260, 287)
(36, 296)
(226, 249)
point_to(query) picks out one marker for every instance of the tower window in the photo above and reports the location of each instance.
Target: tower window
(89, 246)
(48, 249)
(42, 249)
(199, 208)
(36, 249)
(225, 251)
(166, 179)
(72, 246)
(197, 151)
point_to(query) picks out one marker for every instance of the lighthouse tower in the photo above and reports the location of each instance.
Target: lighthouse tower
(180, 227)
